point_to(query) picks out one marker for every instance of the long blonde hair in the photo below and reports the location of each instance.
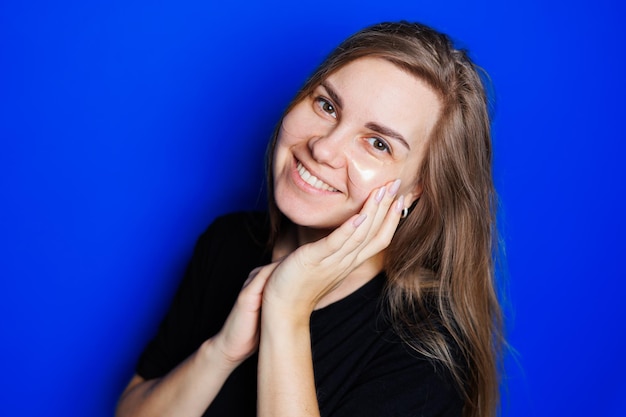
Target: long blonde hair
(439, 265)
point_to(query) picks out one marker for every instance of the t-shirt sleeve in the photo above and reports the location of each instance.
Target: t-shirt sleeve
(175, 338)
(401, 384)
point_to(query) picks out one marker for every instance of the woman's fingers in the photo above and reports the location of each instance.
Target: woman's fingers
(385, 222)
(380, 222)
(315, 269)
(363, 235)
(239, 336)
(384, 230)
(257, 279)
(383, 219)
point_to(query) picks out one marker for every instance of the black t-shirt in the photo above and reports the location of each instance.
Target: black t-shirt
(361, 366)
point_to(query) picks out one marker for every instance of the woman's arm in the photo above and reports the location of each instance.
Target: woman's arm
(285, 376)
(286, 381)
(191, 387)
(187, 390)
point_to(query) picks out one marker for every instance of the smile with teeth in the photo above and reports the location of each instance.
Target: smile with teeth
(312, 180)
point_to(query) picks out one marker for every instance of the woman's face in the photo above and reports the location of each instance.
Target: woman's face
(364, 126)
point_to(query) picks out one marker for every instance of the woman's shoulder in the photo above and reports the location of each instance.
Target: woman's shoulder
(232, 238)
(241, 221)
(239, 227)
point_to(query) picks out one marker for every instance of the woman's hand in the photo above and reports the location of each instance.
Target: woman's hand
(239, 337)
(286, 378)
(313, 270)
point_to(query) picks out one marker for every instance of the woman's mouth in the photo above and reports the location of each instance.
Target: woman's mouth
(312, 180)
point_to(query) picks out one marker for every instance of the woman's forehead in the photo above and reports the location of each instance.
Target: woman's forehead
(379, 91)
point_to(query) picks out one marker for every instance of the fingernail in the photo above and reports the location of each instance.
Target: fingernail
(400, 204)
(380, 194)
(394, 187)
(357, 222)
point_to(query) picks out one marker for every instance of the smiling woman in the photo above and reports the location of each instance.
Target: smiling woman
(368, 287)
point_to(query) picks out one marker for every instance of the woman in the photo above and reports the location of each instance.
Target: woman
(376, 295)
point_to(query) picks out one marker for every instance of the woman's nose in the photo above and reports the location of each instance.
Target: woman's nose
(330, 149)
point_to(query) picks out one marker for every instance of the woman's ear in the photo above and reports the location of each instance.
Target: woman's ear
(413, 195)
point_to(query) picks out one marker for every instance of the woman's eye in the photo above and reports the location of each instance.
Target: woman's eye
(379, 144)
(327, 107)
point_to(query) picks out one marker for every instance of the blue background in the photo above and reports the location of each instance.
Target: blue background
(127, 126)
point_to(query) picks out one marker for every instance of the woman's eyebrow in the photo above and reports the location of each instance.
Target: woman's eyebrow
(385, 131)
(333, 95)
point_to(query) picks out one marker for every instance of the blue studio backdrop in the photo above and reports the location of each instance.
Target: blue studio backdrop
(127, 126)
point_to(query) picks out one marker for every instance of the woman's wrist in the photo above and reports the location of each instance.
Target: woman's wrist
(286, 378)
(286, 306)
(285, 319)
(213, 356)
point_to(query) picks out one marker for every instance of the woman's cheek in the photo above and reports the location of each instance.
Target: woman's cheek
(299, 124)
(366, 174)
(363, 173)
